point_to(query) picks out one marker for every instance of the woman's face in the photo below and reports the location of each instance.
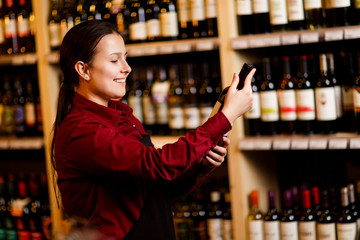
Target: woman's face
(108, 70)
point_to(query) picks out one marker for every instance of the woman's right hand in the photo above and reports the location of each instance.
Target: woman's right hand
(237, 102)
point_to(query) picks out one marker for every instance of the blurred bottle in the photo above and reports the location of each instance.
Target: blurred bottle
(2, 208)
(184, 18)
(67, 20)
(10, 224)
(207, 96)
(137, 26)
(11, 34)
(289, 223)
(39, 119)
(123, 20)
(315, 201)
(35, 214)
(227, 228)
(353, 205)
(261, 16)
(8, 121)
(94, 12)
(272, 219)
(30, 109)
(135, 93)
(244, 15)
(2, 29)
(199, 214)
(357, 95)
(153, 29)
(278, 15)
(168, 20)
(199, 26)
(296, 16)
(346, 223)
(326, 228)
(307, 221)
(255, 218)
(214, 216)
(19, 110)
(313, 14)
(81, 11)
(211, 18)
(182, 219)
(337, 13)
(54, 25)
(147, 102)
(26, 40)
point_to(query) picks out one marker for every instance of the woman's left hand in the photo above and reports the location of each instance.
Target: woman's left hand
(216, 156)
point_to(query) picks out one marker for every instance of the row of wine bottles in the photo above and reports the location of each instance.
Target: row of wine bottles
(137, 20)
(17, 27)
(172, 99)
(203, 216)
(20, 109)
(310, 215)
(306, 94)
(24, 206)
(263, 16)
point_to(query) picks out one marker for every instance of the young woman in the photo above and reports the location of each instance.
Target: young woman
(109, 173)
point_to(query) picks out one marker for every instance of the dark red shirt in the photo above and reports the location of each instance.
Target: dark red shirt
(102, 166)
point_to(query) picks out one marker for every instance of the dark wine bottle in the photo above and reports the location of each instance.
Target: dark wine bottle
(269, 101)
(315, 199)
(137, 26)
(272, 219)
(346, 223)
(30, 112)
(19, 111)
(184, 19)
(355, 16)
(313, 14)
(278, 15)
(326, 223)
(2, 29)
(11, 35)
(26, 41)
(357, 96)
(152, 11)
(244, 16)
(287, 99)
(307, 221)
(325, 99)
(67, 20)
(214, 215)
(353, 204)
(261, 16)
(168, 20)
(207, 96)
(94, 12)
(296, 16)
(211, 18)
(199, 26)
(147, 102)
(289, 223)
(135, 94)
(54, 25)
(338, 13)
(81, 12)
(305, 99)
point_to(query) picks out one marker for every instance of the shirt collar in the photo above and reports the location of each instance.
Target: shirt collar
(113, 113)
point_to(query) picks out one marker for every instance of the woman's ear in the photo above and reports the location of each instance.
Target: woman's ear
(82, 70)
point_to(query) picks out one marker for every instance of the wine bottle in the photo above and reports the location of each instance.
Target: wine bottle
(289, 223)
(184, 18)
(29, 107)
(123, 20)
(147, 102)
(296, 199)
(305, 99)
(23, 27)
(227, 229)
(2, 207)
(182, 219)
(137, 26)
(261, 16)
(272, 219)
(353, 205)
(337, 13)
(8, 121)
(105, 9)
(326, 228)
(355, 16)
(19, 112)
(159, 93)
(307, 223)
(135, 94)
(2, 29)
(176, 102)
(168, 20)
(253, 117)
(346, 223)
(325, 99)
(94, 12)
(348, 119)
(211, 18)
(244, 14)
(67, 20)
(313, 14)
(278, 15)
(287, 99)
(335, 78)
(296, 16)
(11, 35)
(191, 101)
(214, 215)
(255, 218)
(152, 11)
(81, 12)
(315, 199)
(198, 20)
(35, 214)
(357, 96)
(199, 215)
(54, 25)
(269, 101)
(206, 93)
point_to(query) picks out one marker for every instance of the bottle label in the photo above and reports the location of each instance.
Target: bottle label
(289, 230)
(30, 114)
(287, 104)
(160, 99)
(357, 4)
(348, 98)
(307, 230)
(153, 27)
(326, 231)
(255, 228)
(137, 31)
(339, 3)
(338, 102)
(54, 31)
(312, 4)
(192, 117)
(243, 7)
(169, 24)
(161, 112)
(176, 117)
(210, 9)
(214, 228)
(136, 105)
(271, 230)
(149, 110)
(260, 6)
(269, 106)
(305, 100)
(346, 231)
(255, 112)
(205, 112)
(23, 26)
(197, 10)
(8, 119)
(325, 104)
(227, 229)
(10, 27)
(295, 10)
(183, 10)
(2, 32)
(32, 23)
(278, 14)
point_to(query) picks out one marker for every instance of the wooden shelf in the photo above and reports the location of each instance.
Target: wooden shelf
(339, 141)
(295, 37)
(18, 59)
(27, 143)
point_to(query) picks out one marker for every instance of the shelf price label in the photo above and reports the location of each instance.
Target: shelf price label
(241, 43)
(4, 144)
(290, 39)
(205, 46)
(338, 143)
(135, 52)
(352, 33)
(299, 144)
(182, 48)
(17, 60)
(166, 49)
(246, 145)
(264, 144)
(333, 35)
(309, 37)
(149, 51)
(281, 144)
(354, 143)
(265, 41)
(318, 144)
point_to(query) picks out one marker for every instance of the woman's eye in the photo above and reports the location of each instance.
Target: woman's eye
(114, 61)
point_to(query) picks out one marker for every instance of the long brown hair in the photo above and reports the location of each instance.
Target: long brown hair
(79, 44)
